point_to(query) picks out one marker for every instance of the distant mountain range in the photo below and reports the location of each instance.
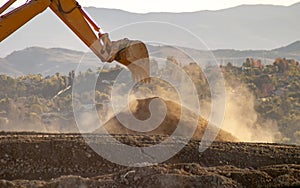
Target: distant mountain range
(243, 27)
(37, 60)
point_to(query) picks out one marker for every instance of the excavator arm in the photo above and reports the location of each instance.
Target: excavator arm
(131, 53)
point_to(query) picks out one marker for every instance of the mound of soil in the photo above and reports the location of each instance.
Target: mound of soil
(175, 113)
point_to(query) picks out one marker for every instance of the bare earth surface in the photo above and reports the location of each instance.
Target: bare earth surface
(65, 160)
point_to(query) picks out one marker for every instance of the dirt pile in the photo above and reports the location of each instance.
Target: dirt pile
(175, 113)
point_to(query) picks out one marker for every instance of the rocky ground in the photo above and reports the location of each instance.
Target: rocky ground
(65, 160)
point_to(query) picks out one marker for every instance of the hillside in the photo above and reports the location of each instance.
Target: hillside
(242, 27)
(37, 60)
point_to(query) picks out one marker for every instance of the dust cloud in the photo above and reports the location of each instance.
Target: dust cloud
(243, 121)
(241, 118)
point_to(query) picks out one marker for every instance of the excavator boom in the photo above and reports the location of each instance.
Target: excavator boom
(130, 53)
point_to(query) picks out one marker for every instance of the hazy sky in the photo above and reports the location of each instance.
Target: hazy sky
(142, 6)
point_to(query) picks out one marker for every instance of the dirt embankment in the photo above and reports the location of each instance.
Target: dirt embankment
(65, 160)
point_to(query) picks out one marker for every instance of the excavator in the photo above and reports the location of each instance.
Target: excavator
(131, 53)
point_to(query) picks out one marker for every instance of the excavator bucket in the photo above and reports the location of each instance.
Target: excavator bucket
(135, 56)
(131, 53)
